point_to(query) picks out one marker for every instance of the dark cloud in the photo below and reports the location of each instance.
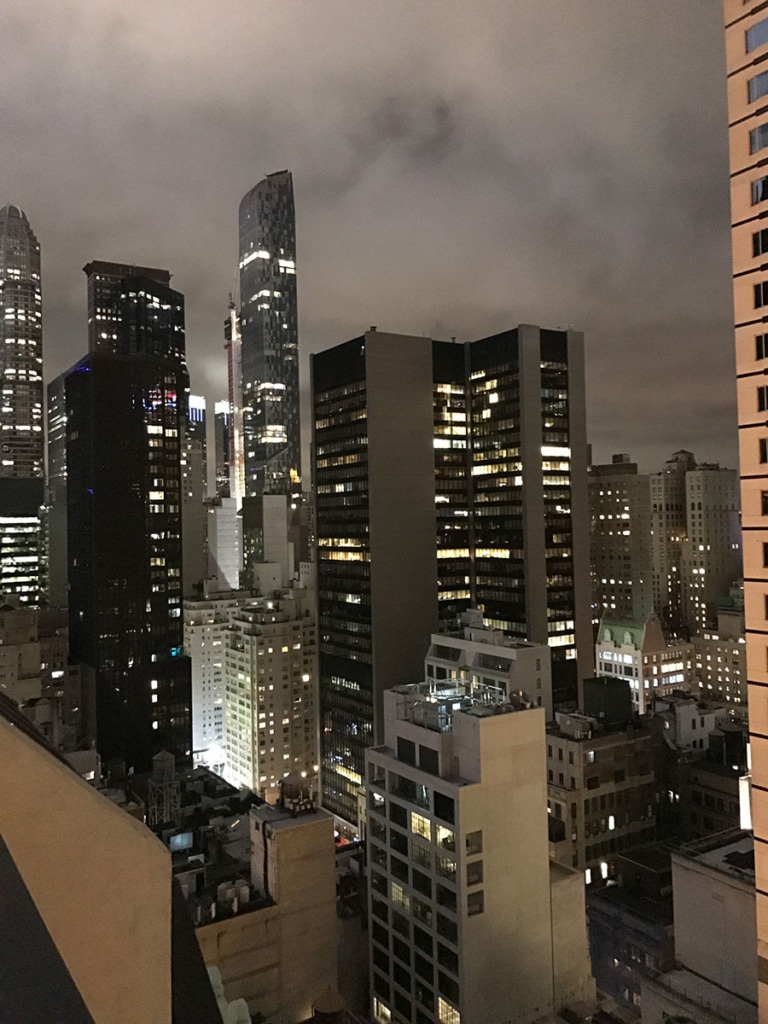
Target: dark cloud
(459, 167)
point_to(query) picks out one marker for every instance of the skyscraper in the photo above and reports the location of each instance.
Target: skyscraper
(125, 411)
(269, 332)
(56, 502)
(21, 410)
(746, 47)
(21, 356)
(711, 561)
(446, 476)
(669, 542)
(668, 529)
(620, 513)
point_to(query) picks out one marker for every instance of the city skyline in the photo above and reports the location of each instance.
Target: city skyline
(569, 190)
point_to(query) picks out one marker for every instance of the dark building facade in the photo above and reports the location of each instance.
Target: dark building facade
(125, 412)
(56, 492)
(22, 568)
(446, 476)
(269, 338)
(221, 439)
(631, 931)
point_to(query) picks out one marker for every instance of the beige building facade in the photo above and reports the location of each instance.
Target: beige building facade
(270, 691)
(746, 47)
(468, 919)
(93, 932)
(281, 958)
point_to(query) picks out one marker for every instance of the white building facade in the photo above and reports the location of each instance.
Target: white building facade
(205, 625)
(640, 654)
(270, 665)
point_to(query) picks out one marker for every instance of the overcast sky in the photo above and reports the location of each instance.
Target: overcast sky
(459, 168)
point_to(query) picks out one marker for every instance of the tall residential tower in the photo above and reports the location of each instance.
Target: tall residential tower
(269, 338)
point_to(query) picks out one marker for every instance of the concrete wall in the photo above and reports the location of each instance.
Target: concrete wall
(715, 931)
(401, 480)
(246, 949)
(571, 969)
(281, 958)
(511, 941)
(100, 880)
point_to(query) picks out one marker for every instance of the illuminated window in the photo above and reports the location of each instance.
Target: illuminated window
(421, 826)
(381, 1012)
(446, 1013)
(400, 897)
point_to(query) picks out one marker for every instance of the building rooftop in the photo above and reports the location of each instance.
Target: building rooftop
(732, 852)
(481, 634)
(122, 270)
(658, 912)
(698, 993)
(283, 818)
(655, 857)
(575, 725)
(433, 703)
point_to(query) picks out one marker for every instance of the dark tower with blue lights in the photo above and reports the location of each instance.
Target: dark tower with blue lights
(126, 405)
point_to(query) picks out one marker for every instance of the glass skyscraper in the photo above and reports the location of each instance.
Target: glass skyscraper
(126, 405)
(447, 476)
(21, 409)
(269, 331)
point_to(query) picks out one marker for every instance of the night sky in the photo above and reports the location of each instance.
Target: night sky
(459, 168)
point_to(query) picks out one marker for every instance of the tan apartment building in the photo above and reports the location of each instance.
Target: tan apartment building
(746, 47)
(469, 919)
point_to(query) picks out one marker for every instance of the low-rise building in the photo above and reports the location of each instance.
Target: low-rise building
(714, 978)
(258, 881)
(702, 756)
(36, 673)
(720, 654)
(639, 653)
(631, 931)
(266, 908)
(601, 787)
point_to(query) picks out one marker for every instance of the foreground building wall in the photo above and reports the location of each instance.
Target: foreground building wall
(746, 44)
(70, 845)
